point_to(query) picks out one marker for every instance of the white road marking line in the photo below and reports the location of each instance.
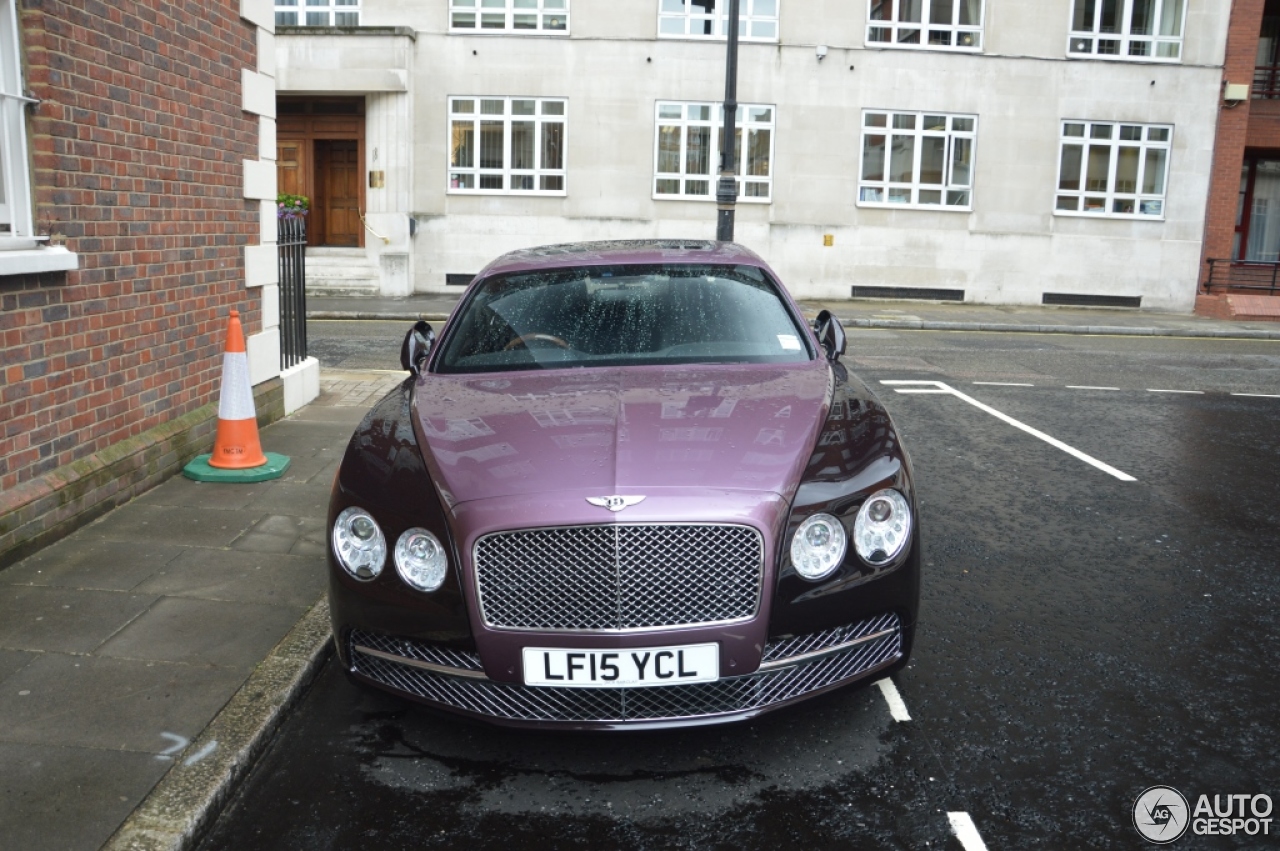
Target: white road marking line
(897, 708)
(962, 826)
(920, 391)
(1003, 384)
(1052, 441)
(1258, 395)
(1191, 392)
(1087, 387)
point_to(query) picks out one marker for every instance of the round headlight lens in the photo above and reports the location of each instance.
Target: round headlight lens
(420, 559)
(358, 543)
(883, 527)
(818, 546)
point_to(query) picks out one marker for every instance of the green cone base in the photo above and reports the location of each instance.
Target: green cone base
(200, 470)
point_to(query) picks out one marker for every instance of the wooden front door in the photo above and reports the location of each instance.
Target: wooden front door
(338, 193)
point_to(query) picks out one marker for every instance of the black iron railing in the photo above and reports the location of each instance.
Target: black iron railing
(1266, 81)
(292, 242)
(1243, 275)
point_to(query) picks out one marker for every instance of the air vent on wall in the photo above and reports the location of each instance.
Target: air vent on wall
(1084, 300)
(917, 293)
(455, 280)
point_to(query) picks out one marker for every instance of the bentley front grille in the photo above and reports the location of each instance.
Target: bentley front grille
(611, 577)
(819, 663)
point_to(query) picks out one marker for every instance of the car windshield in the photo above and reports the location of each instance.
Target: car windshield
(623, 315)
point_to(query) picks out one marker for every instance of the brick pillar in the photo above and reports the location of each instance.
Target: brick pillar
(1233, 130)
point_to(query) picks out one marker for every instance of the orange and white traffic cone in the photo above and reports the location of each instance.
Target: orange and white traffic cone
(237, 453)
(236, 446)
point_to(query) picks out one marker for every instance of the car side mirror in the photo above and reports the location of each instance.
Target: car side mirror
(830, 334)
(417, 345)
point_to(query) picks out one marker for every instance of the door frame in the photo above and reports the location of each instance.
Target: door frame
(306, 120)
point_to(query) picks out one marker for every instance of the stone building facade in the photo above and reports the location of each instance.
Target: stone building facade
(983, 150)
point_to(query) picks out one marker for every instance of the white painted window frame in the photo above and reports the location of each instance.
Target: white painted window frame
(751, 117)
(954, 194)
(1090, 41)
(455, 174)
(1109, 202)
(681, 19)
(894, 32)
(480, 17)
(16, 226)
(306, 13)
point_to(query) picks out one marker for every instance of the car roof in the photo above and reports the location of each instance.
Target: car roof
(623, 251)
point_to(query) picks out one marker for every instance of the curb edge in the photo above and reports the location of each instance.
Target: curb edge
(177, 811)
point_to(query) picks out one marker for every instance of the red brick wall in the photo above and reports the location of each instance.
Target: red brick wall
(1233, 131)
(137, 151)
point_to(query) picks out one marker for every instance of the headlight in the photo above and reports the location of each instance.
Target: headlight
(883, 527)
(359, 544)
(818, 546)
(420, 560)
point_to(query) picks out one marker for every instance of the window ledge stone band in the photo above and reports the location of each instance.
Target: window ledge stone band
(34, 261)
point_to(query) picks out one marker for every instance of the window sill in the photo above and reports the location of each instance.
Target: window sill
(510, 193)
(1112, 217)
(938, 48)
(33, 261)
(1120, 57)
(711, 199)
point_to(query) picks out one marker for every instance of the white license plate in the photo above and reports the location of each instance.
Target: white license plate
(633, 666)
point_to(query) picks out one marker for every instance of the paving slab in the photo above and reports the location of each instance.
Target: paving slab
(303, 536)
(204, 632)
(12, 661)
(92, 564)
(52, 797)
(269, 578)
(293, 499)
(112, 704)
(143, 524)
(65, 620)
(182, 492)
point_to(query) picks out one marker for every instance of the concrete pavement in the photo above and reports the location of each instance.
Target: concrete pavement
(146, 659)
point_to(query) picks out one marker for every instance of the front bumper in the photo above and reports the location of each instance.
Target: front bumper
(792, 669)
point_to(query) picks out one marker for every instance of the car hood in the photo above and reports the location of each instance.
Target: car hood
(621, 430)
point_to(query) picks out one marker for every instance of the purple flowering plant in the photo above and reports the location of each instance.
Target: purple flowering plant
(292, 206)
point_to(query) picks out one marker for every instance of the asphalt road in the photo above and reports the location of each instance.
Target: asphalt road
(1100, 614)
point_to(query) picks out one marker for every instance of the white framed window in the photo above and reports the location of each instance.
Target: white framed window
(509, 146)
(1127, 29)
(917, 159)
(317, 13)
(516, 16)
(757, 19)
(686, 151)
(1113, 169)
(15, 179)
(925, 24)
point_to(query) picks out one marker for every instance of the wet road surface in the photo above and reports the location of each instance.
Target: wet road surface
(1082, 638)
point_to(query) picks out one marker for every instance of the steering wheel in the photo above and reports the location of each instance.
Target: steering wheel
(526, 339)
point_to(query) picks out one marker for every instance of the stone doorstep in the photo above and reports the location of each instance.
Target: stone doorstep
(49, 507)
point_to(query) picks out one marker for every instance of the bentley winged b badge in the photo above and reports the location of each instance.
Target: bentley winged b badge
(615, 502)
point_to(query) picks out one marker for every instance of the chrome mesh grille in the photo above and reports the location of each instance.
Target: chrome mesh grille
(814, 642)
(616, 576)
(419, 651)
(735, 694)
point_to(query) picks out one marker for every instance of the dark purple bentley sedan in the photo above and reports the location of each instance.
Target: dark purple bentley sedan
(627, 486)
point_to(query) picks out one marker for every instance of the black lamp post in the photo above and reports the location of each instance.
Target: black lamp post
(727, 188)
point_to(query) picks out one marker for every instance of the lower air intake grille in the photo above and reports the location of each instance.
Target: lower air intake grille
(881, 644)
